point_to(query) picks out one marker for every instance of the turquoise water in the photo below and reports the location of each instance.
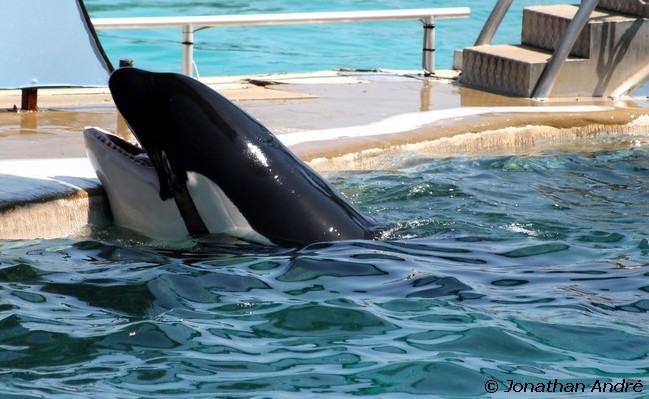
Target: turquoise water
(249, 50)
(527, 269)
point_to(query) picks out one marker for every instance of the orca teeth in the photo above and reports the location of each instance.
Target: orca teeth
(141, 158)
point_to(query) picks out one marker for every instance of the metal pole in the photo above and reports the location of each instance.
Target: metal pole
(428, 56)
(29, 99)
(493, 22)
(125, 63)
(188, 49)
(549, 75)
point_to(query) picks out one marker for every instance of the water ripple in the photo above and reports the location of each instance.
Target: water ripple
(564, 295)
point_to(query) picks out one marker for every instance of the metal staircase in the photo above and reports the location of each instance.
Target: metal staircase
(596, 49)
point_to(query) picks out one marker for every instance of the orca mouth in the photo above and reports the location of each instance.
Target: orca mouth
(121, 146)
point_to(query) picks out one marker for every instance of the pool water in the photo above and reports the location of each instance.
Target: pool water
(521, 271)
(295, 48)
(494, 270)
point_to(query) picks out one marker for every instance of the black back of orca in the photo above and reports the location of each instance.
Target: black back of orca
(185, 126)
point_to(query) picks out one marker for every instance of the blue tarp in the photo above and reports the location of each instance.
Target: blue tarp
(49, 43)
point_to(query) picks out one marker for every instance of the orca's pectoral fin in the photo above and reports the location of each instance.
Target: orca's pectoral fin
(174, 186)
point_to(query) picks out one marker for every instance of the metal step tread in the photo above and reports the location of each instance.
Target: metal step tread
(518, 53)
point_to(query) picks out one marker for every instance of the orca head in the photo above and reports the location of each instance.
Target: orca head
(222, 170)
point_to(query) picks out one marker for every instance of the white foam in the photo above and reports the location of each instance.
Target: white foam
(411, 121)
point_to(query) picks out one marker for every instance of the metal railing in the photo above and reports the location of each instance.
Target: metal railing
(551, 71)
(192, 24)
(493, 22)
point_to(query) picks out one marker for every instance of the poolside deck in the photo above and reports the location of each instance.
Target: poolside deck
(332, 119)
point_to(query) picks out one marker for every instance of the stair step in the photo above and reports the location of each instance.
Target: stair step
(611, 54)
(543, 27)
(632, 7)
(508, 69)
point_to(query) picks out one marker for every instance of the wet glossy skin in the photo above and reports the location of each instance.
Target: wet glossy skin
(185, 126)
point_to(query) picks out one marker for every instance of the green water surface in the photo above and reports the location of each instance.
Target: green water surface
(493, 270)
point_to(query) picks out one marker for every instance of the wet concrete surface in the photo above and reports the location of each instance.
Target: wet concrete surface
(293, 103)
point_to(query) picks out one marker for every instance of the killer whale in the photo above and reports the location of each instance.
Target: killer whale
(205, 166)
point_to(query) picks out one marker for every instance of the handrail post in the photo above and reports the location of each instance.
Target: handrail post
(551, 71)
(428, 55)
(493, 22)
(188, 49)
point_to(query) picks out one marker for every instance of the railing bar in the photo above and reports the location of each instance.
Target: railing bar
(493, 22)
(279, 19)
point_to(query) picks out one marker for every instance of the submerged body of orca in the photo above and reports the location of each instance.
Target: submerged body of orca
(207, 167)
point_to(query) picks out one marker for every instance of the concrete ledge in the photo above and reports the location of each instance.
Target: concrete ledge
(490, 139)
(56, 217)
(332, 120)
(49, 198)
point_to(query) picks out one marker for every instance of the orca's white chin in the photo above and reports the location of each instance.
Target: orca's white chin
(133, 191)
(132, 187)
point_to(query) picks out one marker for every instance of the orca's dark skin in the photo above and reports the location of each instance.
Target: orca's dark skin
(184, 126)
